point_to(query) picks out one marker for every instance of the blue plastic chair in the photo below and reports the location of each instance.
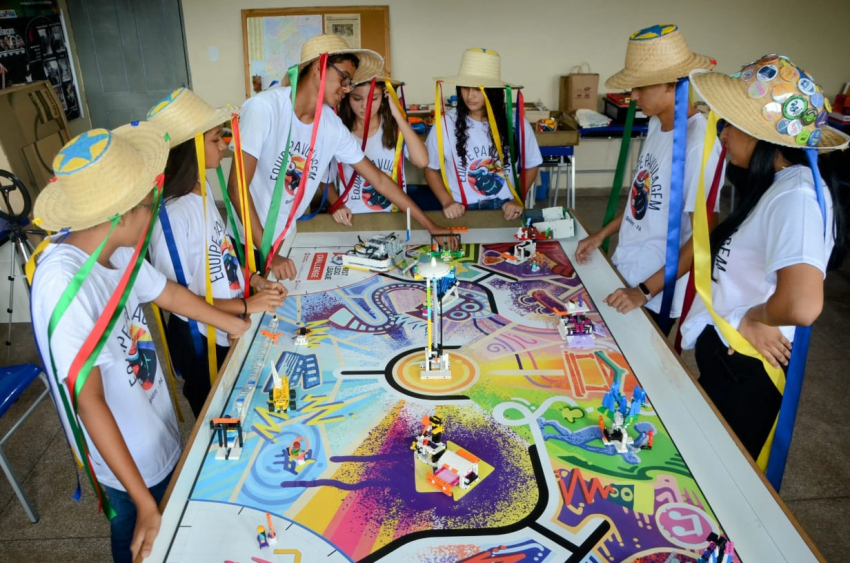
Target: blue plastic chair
(13, 381)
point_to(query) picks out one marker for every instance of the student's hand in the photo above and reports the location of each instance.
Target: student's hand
(236, 327)
(343, 216)
(259, 282)
(626, 299)
(394, 109)
(454, 210)
(267, 300)
(148, 521)
(511, 211)
(768, 340)
(283, 268)
(586, 246)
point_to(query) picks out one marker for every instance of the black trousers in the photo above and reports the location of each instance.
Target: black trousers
(194, 370)
(740, 388)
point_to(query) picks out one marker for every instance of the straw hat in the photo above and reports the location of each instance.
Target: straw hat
(102, 173)
(380, 78)
(182, 114)
(479, 67)
(774, 100)
(371, 63)
(657, 55)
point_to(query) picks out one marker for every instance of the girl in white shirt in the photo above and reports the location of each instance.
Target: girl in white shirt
(770, 256)
(386, 123)
(189, 224)
(476, 175)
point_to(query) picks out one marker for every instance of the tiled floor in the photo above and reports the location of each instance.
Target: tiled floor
(816, 487)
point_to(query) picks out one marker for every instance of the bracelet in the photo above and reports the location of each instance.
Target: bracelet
(245, 305)
(251, 277)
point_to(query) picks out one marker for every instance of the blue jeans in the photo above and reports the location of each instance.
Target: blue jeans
(494, 203)
(124, 523)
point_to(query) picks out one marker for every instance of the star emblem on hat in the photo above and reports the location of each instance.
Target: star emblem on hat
(82, 151)
(163, 103)
(653, 32)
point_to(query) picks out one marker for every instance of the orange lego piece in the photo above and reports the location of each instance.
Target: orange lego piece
(467, 456)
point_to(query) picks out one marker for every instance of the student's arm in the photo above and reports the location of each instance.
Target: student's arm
(343, 215)
(594, 241)
(451, 209)
(269, 297)
(107, 438)
(415, 147)
(626, 299)
(385, 186)
(797, 301)
(178, 299)
(434, 177)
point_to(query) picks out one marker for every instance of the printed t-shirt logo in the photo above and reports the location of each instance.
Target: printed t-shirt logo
(640, 193)
(231, 265)
(294, 173)
(142, 356)
(483, 177)
(373, 199)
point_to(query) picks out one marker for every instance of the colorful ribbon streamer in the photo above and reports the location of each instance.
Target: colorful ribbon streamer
(244, 203)
(677, 185)
(497, 140)
(231, 216)
(202, 178)
(169, 366)
(299, 194)
(622, 161)
(277, 194)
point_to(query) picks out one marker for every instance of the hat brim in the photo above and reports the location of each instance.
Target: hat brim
(724, 96)
(221, 116)
(471, 81)
(380, 80)
(627, 79)
(57, 212)
(370, 64)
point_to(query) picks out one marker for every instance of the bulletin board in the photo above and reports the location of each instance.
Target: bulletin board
(272, 38)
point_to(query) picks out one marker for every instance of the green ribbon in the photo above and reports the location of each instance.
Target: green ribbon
(230, 216)
(617, 188)
(277, 195)
(509, 106)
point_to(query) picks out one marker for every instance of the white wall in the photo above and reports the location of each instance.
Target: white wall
(540, 40)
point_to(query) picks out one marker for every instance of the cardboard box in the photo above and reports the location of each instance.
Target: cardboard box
(567, 133)
(579, 91)
(34, 130)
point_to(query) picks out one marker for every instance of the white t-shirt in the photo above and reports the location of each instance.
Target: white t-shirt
(642, 247)
(363, 198)
(482, 178)
(264, 126)
(191, 235)
(133, 382)
(785, 228)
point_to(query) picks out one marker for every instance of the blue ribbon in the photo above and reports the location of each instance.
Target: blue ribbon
(319, 209)
(178, 273)
(677, 182)
(796, 367)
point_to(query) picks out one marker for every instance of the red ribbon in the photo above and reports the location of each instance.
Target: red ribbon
(348, 185)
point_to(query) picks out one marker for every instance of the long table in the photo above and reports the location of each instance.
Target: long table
(523, 406)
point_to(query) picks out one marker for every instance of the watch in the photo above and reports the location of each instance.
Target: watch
(645, 290)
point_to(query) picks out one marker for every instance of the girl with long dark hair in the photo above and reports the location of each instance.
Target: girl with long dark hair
(470, 172)
(190, 228)
(386, 123)
(770, 256)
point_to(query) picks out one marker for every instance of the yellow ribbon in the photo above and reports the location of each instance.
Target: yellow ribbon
(702, 283)
(202, 178)
(172, 383)
(497, 140)
(438, 123)
(29, 269)
(244, 201)
(397, 162)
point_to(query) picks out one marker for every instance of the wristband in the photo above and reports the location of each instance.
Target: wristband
(245, 305)
(645, 290)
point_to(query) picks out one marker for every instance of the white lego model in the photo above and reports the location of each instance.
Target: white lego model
(377, 254)
(437, 363)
